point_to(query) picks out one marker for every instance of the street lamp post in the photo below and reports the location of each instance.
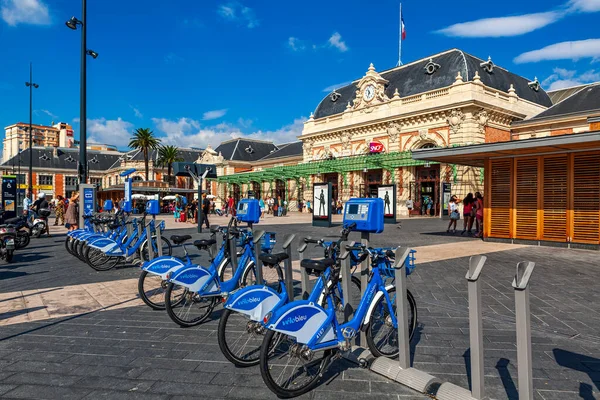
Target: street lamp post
(72, 24)
(31, 85)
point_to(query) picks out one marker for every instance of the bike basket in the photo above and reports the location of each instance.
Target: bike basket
(267, 242)
(409, 264)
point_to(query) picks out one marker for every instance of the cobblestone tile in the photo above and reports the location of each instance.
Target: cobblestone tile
(47, 392)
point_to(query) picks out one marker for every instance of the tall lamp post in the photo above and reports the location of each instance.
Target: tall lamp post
(30, 85)
(72, 24)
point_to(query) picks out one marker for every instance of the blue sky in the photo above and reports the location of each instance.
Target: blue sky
(199, 72)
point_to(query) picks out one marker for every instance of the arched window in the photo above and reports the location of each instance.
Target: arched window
(428, 146)
(137, 178)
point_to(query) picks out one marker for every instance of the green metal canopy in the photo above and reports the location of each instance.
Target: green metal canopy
(342, 165)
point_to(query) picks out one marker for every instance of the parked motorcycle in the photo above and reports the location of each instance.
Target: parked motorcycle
(40, 223)
(20, 223)
(8, 234)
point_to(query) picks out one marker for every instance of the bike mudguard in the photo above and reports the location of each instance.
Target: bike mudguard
(105, 245)
(255, 301)
(162, 266)
(302, 320)
(195, 278)
(374, 303)
(81, 234)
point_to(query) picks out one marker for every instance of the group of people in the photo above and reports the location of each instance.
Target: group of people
(273, 205)
(66, 210)
(188, 211)
(472, 212)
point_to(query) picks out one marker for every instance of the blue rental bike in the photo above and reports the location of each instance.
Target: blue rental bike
(203, 288)
(241, 329)
(304, 337)
(105, 253)
(152, 283)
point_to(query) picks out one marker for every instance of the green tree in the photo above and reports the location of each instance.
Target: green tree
(167, 155)
(144, 140)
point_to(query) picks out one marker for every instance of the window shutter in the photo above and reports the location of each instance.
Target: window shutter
(501, 171)
(586, 197)
(555, 198)
(526, 198)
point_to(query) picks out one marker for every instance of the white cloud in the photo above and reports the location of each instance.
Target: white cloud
(589, 48)
(48, 113)
(336, 41)
(214, 114)
(136, 111)
(16, 12)
(173, 58)
(187, 132)
(296, 44)
(234, 11)
(502, 26)
(563, 78)
(584, 5)
(116, 132)
(331, 88)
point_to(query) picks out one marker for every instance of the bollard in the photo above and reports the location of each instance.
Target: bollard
(365, 237)
(402, 254)
(523, 322)
(129, 228)
(288, 277)
(346, 280)
(476, 326)
(212, 250)
(304, 278)
(258, 267)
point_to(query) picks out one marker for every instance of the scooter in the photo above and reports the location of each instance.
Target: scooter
(7, 242)
(23, 229)
(40, 223)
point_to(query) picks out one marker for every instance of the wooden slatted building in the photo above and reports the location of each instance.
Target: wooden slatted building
(541, 189)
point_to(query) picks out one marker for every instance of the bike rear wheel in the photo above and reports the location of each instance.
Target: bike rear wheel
(240, 338)
(382, 337)
(187, 308)
(166, 248)
(287, 369)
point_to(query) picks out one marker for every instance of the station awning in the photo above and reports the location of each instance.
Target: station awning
(475, 155)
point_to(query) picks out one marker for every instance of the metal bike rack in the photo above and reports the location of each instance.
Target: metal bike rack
(232, 251)
(287, 265)
(346, 270)
(149, 241)
(401, 371)
(213, 235)
(365, 237)
(256, 237)
(304, 278)
(523, 320)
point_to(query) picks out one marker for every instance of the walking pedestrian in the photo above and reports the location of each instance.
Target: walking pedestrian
(453, 212)
(468, 213)
(72, 214)
(60, 210)
(205, 211)
(261, 204)
(479, 214)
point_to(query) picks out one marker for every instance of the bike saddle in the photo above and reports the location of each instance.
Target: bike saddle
(179, 239)
(390, 254)
(114, 225)
(204, 243)
(272, 259)
(316, 267)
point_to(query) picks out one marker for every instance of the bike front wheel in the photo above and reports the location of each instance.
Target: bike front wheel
(152, 289)
(288, 368)
(240, 338)
(98, 260)
(382, 337)
(187, 308)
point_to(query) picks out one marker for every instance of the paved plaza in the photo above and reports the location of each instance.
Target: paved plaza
(67, 331)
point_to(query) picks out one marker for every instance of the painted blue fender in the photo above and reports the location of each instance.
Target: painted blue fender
(303, 320)
(161, 266)
(256, 301)
(195, 278)
(105, 245)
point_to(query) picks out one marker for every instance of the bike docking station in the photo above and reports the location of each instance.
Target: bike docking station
(153, 208)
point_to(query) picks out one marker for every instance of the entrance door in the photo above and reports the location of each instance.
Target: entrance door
(280, 189)
(333, 179)
(256, 190)
(374, 179)
(236, 193)
(425, 191)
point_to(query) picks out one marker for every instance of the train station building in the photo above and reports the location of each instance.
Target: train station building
(361, 135)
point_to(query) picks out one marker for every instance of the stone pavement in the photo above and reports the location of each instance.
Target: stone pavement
(111, 347)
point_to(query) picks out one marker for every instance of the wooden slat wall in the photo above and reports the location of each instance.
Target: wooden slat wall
(500, 198)
(586, 197)
(526, 198)
(555, 198)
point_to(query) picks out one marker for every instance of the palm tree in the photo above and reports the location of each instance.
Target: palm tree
(167, 155)
(144, 140)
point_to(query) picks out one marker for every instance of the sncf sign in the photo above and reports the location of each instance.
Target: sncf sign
(376, 147)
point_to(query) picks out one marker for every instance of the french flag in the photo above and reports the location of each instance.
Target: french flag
(402, 24)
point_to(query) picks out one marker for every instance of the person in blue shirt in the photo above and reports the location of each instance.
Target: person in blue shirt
(27, 203)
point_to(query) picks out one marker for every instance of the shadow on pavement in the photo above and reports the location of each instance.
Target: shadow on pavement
(15, 313)
(11, 275)
(581, 363)
(507, 380)
(30, 294)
